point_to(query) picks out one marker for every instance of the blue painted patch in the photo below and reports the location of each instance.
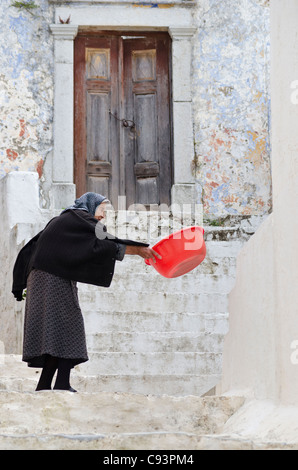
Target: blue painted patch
(231, 211)
(147, 4)
(22, 27)
(220, 192)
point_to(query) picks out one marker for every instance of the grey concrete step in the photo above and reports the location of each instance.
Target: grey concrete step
(157, 302)
(107, 420)
(217, 265)
(123, 421)
(110, 372)
(142, 321)
(107, 373)
(174, 385)
(15, 375)
(203, 283)
(159, 441)
(172, 363)
(153, 341)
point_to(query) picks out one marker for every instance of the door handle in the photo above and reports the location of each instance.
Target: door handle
(125, 122)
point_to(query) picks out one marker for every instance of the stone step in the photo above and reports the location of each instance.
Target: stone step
(218, 265)
(140, 321)
(171, 363)
(157, 302)
(203, 283)
(143, 442)
(15, 375)
(223, 249)
(152, 341)
(217, 249)
(11, 365)
(178, 385)
(101, 415)
(174, 385)
(107, 421)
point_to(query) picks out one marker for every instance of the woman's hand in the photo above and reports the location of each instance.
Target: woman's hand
(143, 252)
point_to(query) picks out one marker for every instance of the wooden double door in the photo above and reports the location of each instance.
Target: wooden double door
(123, 116)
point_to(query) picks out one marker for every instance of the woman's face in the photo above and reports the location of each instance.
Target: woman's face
(100, 212)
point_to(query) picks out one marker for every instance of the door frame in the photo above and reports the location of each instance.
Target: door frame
(63, 188)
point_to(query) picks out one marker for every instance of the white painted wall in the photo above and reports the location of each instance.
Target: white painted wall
(259, 353)
(249, 351)
(284, 39)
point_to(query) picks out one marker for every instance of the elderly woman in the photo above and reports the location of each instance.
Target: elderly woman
(70, 249)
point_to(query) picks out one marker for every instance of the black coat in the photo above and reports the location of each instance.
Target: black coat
(73, 246)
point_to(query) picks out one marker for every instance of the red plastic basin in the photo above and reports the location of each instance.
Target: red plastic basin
(181, 252)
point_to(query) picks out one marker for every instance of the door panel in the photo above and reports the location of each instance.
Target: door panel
(98, 185)
(122, 117)
(145, 117)
(144, 65)
(146, 168)
(97, 64)
(98, 105)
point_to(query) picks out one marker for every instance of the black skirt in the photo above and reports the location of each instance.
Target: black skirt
(53, 322)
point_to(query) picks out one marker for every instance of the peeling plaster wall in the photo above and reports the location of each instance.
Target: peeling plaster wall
(230, 100)
(232, 107)
(26, 87)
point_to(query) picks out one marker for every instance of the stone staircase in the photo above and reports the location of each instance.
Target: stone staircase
(151, 335)
(101, 420)
(155, 349)
(108, 421)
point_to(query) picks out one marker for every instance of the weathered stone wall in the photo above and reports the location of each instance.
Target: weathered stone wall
(26, 87)
(232, 107)
(230, 97)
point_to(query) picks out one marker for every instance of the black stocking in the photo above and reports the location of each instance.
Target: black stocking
(63, 375)
(48, 371)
